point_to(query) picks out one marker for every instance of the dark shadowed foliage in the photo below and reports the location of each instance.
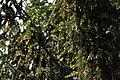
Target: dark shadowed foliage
(64, 40)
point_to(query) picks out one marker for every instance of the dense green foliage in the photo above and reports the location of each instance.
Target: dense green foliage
(63, 40)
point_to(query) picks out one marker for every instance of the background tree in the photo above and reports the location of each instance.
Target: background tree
(61, 41)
